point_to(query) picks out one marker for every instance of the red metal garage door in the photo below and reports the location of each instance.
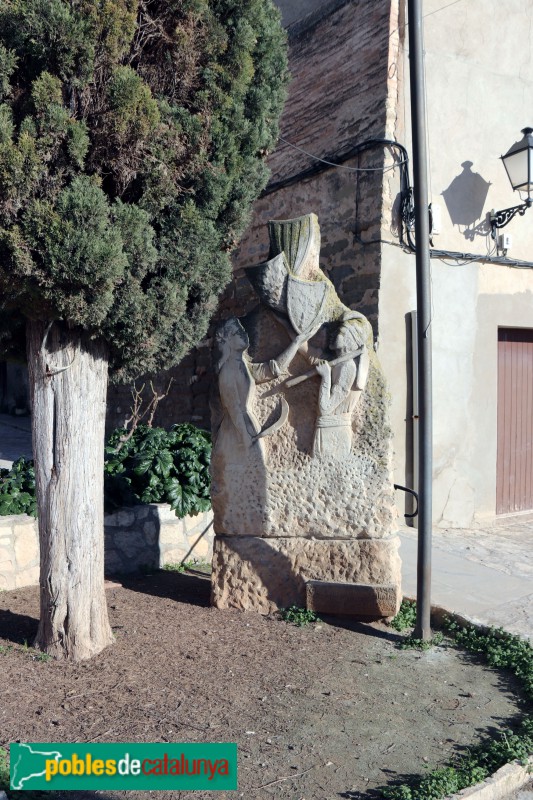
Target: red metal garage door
(514, 484)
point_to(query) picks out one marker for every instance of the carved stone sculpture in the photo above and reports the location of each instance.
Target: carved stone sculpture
(301, 458)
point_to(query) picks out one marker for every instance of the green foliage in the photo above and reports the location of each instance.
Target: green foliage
(477, 764)
(184, 566)
(406, 616)
(180, 567)
(298, 616)
(405, 619)
(17, 489)
(411, 643)
(500, 650)
(4, 769)
(152, 466)
(132, 144)
(156, 466)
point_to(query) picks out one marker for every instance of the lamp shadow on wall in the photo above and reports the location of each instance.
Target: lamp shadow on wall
(465, 199)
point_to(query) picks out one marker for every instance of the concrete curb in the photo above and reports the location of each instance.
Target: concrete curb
(509, 778)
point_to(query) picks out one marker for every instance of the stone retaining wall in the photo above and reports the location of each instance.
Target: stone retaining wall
(136, 537)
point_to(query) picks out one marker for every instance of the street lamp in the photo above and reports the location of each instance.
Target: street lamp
(518, 162)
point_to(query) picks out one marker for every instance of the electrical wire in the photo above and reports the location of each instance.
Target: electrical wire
(341, 166)
(429, 14)
(406, 211)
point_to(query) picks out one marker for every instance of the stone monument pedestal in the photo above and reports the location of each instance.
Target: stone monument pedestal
(253, 573)
(301, 474)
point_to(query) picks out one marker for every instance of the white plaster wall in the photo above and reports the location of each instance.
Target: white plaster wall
(479, 77)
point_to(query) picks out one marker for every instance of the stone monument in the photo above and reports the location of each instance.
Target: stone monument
(301, 484)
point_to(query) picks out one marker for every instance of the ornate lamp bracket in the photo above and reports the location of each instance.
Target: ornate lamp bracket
(499, 219)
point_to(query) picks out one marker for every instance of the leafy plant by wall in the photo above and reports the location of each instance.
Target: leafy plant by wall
(156, 466)
(17, 489)
(152, 466)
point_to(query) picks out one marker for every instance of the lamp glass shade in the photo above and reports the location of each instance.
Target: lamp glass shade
(518, 162)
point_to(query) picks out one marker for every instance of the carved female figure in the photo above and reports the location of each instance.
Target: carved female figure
(239, 430)
(340, 389)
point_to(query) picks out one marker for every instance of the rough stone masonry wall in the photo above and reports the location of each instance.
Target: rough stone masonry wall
(136, 537)
(340, 95)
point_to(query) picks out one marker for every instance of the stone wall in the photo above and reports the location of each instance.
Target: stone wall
(136, 537)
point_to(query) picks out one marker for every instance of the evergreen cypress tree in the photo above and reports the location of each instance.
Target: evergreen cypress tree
(132, 138)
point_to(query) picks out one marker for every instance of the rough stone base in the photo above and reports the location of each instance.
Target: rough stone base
(263, 574)
(359, 601)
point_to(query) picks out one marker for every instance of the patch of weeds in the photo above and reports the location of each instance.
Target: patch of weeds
(28, 650)
(406, 616)
(298, 616)
(480, 762)
(199, 565)
(43, 657)
(411, 643)
(405, 619)
(184, 566)
(500, 650)
(180, 567)
(4, 769)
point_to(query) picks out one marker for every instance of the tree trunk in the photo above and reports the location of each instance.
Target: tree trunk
(68, 379)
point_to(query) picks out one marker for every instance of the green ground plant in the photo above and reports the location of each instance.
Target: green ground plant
(406, 616)
(17, 489)
(185, 566)
(180, 567)
(412, 643)
(500, 650)
(298, 616)
(4, 769)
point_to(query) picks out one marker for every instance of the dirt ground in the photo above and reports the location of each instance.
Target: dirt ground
(332, 710)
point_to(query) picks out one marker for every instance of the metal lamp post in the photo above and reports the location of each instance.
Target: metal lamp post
(518, 163)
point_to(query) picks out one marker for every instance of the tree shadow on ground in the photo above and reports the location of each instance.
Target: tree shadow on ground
(194, 589)
(508, 683)
(17, 628)
(365, 628)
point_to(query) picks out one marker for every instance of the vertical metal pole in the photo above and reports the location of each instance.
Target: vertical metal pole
(423, 294)
(415, 415)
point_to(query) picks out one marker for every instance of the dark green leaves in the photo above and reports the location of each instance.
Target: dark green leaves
(153, 466)
(156, 466)
(158, 115)
(17, 489)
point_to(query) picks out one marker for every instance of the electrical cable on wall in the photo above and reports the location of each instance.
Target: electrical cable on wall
(406, 211)
(406, 191)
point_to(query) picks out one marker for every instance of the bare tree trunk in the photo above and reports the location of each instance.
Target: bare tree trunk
(68, 378)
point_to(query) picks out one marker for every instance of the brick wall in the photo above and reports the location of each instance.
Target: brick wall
(342, 60)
